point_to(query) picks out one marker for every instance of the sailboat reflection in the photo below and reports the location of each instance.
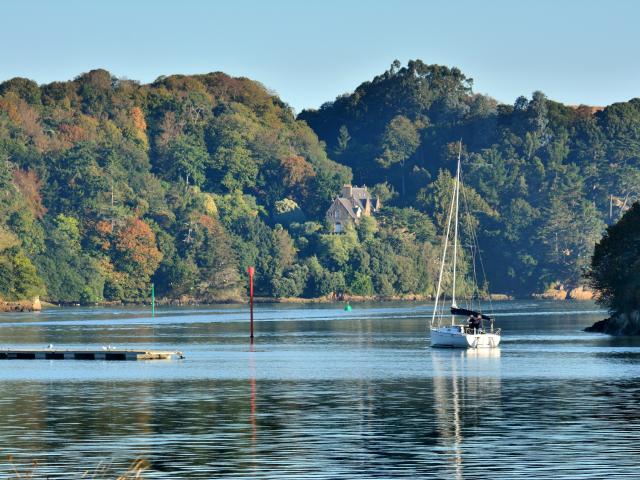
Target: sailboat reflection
(466, 385)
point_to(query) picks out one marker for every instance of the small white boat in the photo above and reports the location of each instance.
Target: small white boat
(460, 335)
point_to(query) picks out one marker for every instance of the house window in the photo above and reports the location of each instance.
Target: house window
(338, 227)
(336, 214)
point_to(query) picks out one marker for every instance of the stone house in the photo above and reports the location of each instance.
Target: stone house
(352, 204)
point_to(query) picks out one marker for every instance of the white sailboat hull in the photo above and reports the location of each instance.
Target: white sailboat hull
(455, 337)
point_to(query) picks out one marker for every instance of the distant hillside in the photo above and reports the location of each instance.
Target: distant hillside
(550, 176)
(107, 185)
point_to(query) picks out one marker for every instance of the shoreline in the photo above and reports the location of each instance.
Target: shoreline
(293, 301)
(35, 305)
(620, 324)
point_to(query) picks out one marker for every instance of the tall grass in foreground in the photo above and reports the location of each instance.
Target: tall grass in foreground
(101, 472)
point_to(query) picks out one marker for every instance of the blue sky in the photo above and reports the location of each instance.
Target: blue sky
(311, 51)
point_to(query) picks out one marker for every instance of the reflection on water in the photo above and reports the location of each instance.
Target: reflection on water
(451, 390)
(323, 394)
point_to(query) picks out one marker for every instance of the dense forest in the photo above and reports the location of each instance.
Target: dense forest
(548, 177)
(107, 185)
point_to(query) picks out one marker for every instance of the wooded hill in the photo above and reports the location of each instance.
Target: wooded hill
(549, 177)
(107, 185)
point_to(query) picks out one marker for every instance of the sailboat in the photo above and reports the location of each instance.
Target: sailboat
(461, 335)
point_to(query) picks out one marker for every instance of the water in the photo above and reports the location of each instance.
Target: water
(324, 394)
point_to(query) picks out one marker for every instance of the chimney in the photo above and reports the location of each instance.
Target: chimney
(347, 191)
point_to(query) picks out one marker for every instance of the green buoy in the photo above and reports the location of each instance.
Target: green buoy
(347, 307)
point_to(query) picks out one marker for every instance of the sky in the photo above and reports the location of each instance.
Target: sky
(310, 51)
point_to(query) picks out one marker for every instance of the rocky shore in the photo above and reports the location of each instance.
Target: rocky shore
(558, 292)
(620, 324)
(410, 297)
(34, 305)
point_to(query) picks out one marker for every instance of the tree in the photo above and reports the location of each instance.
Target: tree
(569, 234)
(296, 174)
(615, 265)
(343, 140)
(410, 220)
(367, 228)
(399, 142)
(186, 160)
(292, 283)
(287, 211)
(70, 274)
(136, 249)
(218, 264)
(18, 276)
(232, 162)
(26, 89)
(436, 199)
(135, 257)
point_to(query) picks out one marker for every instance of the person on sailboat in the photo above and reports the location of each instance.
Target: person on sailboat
(475, 322)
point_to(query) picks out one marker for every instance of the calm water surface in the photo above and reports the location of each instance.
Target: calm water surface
(324, 394)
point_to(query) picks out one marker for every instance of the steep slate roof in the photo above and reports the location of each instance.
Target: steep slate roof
(348, 206)
(359, 196)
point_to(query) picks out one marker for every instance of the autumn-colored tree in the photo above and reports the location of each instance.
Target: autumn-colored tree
(72, 134)
(136, 249)
(103, 231)
(29, 185)
(297, 173)
(140, 126)
(135, 258)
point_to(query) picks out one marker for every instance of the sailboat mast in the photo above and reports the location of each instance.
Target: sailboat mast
(444, 257)
(455, 231)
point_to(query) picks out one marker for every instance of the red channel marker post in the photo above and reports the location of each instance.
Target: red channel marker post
(251, 271)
